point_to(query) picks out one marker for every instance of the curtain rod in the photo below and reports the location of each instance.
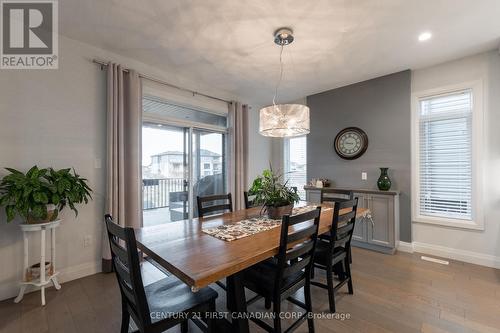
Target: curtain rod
(153, 79)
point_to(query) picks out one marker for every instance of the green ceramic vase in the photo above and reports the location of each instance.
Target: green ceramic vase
(384, 183)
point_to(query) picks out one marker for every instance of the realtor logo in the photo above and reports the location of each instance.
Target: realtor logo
(29, 36)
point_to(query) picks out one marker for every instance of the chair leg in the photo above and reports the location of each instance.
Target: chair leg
(331, 292)
(125, 319)
(267, 304)
(307, 298)
(184, 326)
(312, 272)
(276, 312)
(349, 277)
(339, 270)
(350, 255)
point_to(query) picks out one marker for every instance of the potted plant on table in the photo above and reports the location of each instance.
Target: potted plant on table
(274, 194)
(39, 195)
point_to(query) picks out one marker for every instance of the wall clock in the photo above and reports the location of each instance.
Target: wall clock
(350, 143)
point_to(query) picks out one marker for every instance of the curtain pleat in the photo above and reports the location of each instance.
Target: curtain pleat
(238, 132)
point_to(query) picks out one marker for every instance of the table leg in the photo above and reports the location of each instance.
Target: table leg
(237, 303)
(20, 296)
(26, 261)
(25, 269)
(42, 265)
(53, 259)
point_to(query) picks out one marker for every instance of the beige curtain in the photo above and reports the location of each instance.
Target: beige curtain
(123, 178)
(238, 141)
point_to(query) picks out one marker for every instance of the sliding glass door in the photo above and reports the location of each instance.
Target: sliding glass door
(183, 155)
(178, 164)
(209, 164)
(165, 173)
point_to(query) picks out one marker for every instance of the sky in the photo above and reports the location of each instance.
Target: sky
(160, 139)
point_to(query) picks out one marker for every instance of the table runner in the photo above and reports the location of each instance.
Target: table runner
(251, 226)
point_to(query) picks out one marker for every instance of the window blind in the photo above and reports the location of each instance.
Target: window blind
(445, 142)
(157, 106)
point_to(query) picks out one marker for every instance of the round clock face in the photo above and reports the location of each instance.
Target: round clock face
(351, 143)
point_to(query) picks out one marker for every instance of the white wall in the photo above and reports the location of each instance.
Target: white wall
(481, 247)
(259, 147)
(57, 118)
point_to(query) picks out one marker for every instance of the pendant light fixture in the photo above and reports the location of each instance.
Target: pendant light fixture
(283, 120)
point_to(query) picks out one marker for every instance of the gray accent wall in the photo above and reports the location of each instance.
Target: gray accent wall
(382, 108)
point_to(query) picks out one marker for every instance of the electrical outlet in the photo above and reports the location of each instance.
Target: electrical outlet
(87, 241)
(364, 176)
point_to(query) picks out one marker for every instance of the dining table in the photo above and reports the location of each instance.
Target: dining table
(199, 259)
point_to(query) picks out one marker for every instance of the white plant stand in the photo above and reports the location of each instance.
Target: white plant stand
(43, 280)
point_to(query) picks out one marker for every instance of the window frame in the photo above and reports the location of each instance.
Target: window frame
(286, 160)
(477, 221)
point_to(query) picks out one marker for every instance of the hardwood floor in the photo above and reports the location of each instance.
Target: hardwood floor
(398, 293)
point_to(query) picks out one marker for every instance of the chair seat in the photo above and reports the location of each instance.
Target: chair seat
(171, 295)
(321, 254)
(260, 278)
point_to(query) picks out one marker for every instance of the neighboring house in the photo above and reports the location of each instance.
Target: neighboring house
(170, 164)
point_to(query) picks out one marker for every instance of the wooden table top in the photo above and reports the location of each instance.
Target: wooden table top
(199, 259)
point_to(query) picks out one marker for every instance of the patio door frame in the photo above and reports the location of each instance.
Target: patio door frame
(191, 127)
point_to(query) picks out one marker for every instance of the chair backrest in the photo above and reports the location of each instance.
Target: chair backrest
(344, 219)
(249, 200)
(297, 245)
(214, 205)
(332, 194)
(128, 272)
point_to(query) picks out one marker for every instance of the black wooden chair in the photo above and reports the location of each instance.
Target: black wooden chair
(215, 206)
(280, 277)
(333, 254)
(160, 305)
(249, 200)
(333, 194)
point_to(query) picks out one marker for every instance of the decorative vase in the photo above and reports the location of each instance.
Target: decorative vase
(384, 183)
(276, 213)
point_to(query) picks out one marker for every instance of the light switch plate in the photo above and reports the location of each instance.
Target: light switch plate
(364, 176)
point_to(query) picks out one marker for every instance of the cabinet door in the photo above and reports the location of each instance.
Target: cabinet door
(381, 230)
(313, 196)
(360, 232)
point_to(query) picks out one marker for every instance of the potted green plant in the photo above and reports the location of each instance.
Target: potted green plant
(39, 195)
(274, 194)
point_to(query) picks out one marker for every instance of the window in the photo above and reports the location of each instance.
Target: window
(296, 163)
(446, 144)
(179, 147)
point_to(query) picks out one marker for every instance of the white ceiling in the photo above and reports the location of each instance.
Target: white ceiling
(227, 45)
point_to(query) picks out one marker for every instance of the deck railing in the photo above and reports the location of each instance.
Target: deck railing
(156, 192)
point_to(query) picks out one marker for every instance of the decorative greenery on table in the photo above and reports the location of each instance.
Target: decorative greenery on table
(271, 191)
(28, 195)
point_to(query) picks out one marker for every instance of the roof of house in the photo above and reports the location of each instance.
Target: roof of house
(203, 152)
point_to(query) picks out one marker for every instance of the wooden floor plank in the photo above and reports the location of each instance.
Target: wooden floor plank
(392, 294)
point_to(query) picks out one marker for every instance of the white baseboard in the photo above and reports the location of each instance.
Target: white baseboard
(405, 247)
(79, 271)
(450, 253)
(457, 254)
(9, 290)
